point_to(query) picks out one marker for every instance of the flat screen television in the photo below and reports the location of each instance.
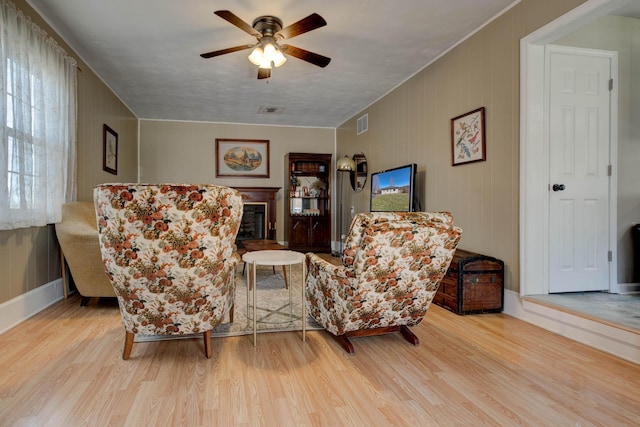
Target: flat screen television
(393, 190)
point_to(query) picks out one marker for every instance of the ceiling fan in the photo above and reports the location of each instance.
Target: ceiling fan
(268, 53)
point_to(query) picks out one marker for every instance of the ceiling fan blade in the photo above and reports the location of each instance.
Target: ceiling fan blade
(264, 73)
(228, 50)
(233, 19)
(304, 25)
(305, 55)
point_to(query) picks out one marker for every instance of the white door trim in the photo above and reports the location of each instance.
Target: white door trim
(534, 173)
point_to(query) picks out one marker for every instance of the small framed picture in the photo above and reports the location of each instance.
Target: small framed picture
(248, 158)
(468, 138)
(110, 150)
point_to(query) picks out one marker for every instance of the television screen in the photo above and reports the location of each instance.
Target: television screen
(393, 190)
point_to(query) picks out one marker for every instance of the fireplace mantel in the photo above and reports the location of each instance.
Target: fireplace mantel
(263, 195)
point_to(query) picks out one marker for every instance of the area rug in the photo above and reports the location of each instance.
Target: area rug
(272, 306)
(272, 302)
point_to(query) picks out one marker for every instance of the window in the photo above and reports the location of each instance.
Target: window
(21, 142)
(37, 123)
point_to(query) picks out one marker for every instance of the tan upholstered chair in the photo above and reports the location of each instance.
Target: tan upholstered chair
(79, 247)
(168, 251)
(392, 265)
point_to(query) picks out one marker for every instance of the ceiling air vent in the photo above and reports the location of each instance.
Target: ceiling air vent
(363, 124)
(270, 110)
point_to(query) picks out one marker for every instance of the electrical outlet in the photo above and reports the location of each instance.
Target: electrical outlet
(353, 212)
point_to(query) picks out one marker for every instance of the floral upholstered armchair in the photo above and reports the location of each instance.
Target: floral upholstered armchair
(392, 265)
(168, 252)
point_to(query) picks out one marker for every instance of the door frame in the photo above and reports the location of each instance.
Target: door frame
(534, 149)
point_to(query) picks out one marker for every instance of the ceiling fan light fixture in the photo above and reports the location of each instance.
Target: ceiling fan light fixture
(268, 30)
(267, 55)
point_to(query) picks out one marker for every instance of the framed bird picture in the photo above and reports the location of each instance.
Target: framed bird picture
(468, 138)
(109, 150)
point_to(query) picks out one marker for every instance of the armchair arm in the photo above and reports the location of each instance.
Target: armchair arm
(234, 259)
(227, 274)
(330, 293)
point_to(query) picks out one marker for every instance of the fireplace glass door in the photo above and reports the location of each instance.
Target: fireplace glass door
(254, 222)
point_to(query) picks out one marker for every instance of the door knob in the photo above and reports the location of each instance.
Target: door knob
(558, 187)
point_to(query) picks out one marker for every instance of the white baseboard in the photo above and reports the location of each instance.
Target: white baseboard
(619, 342)
(22, 307)
(626, 288)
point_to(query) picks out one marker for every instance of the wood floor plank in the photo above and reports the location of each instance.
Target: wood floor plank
(64, 367)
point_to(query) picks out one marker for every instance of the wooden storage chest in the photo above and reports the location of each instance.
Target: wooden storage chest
(474, 283)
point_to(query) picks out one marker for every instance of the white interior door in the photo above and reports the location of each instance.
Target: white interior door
(579, 171)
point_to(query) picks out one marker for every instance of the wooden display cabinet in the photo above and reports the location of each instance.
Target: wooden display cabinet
(308, 203)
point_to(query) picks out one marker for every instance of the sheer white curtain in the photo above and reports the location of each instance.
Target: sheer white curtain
(38, 117)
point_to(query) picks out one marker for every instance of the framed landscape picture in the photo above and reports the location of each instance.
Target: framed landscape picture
(247, 158)
(468, 138)
(109, 150)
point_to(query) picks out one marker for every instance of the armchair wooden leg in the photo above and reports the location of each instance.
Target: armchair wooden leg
(408, 335)
(207, 344)
(345, 343)
(128, 344)
(231, 311)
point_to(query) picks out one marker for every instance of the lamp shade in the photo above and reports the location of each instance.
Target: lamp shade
(256, 56)
(346, 164)
(278, 58)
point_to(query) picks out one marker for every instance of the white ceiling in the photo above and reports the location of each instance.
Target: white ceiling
(148, 53)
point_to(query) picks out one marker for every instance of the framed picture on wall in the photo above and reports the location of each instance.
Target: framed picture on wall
(468, 138)
(110, 150)
(247, 158)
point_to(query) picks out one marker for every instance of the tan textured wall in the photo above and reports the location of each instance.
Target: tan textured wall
(30, 257)
(97, 105)
(185, 152)
(412, 124)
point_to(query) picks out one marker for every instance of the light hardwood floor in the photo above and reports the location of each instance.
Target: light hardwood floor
(63, 367)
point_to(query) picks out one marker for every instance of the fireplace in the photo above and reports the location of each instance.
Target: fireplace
(259, 213)
(254, 222)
